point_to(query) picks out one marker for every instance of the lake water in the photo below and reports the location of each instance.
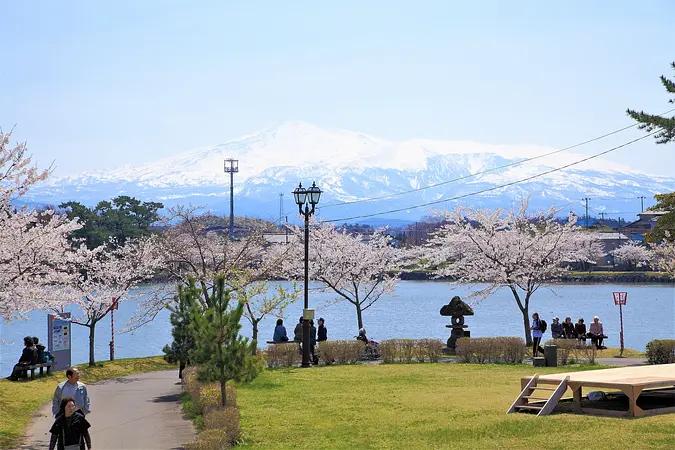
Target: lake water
(411, 312)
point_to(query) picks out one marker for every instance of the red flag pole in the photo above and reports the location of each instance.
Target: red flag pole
(621, 320)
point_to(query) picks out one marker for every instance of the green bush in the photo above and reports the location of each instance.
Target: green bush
(501, 349)
(283, 355)
(661, 351)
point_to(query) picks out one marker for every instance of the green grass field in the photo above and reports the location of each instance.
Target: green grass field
(422, 406)
(19, 400)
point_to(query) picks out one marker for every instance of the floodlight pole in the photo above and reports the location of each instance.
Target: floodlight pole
(231, 166)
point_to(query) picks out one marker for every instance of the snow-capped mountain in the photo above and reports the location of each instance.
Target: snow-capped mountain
(351, 167)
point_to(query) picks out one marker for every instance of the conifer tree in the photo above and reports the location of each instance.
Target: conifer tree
(651, 122)
(183, 340)
(220, 352)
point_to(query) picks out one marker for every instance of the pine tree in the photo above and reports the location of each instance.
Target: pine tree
(183, 340)
(651, 122)
(220, 352)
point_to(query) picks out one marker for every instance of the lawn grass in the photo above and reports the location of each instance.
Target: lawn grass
(422, 406)
(19, 400)
(613, 352)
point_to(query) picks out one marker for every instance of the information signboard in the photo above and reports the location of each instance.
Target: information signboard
(59, 336)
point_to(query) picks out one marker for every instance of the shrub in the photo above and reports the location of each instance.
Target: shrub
(340, 352)
(661, 351)
(209, 396)
(585, 351)
(491, 350)
(210, 440)
(565, 348)
(226, 420)
(283, 355)
(407, 350)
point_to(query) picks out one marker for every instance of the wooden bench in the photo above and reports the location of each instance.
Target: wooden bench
(32, 368)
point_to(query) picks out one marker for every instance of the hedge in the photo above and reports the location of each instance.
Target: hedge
(409, 350)
(661, 351)
(502, 349)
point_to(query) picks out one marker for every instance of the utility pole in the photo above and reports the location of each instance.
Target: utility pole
(281, 208)
(602, 217)
(586, 200)
(231, 166)
(642, 203)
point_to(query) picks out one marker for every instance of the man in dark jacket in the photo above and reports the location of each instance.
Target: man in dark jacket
(312, 342)
(297, 332)
(29, 356)
(323, 331)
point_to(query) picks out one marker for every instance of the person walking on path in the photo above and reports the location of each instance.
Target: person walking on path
(71, 388)
(70, 430)
(536, 335)
(323, 331)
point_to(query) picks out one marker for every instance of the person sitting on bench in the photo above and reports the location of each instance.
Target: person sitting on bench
(29, 357)
(597, 333)
(580, 330)
(280, 332)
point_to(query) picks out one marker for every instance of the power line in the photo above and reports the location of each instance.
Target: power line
(494, 188)
(516, 163)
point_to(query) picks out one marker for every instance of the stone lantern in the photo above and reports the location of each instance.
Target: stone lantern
(456, 309)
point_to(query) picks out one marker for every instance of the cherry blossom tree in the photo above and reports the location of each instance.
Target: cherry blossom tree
(358, 268)
(505, 249)
(664, 256)
(633, 253)
(260, 299)
(194, 247)
(589, 250)
(110, 272)
(35, 254)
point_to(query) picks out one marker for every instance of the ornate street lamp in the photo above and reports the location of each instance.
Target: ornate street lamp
(308, 198)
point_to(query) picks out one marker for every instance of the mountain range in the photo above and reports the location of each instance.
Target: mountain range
(351, 167)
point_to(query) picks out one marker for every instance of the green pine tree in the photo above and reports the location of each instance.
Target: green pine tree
(651, 122)
(665, 225)
(220, 352)
(183, 340)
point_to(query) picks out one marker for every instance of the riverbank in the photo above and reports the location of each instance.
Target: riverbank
(572, 277)
(20, 399)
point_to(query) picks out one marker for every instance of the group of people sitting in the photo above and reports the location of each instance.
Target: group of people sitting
(315, 335)
(569, 330)
(33, 353)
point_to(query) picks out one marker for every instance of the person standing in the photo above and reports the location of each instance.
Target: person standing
(312, 342)
(536, 335)
(70, 430)
(297, 332)
(71, 388)
(323, 331)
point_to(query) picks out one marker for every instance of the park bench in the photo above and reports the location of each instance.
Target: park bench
(33, 367)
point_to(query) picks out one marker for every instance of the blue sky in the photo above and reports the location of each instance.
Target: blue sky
(99, 84)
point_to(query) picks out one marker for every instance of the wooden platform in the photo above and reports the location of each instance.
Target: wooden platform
(632, 381)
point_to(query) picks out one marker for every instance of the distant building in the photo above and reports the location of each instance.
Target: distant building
(636, 230)
(280, 238)
(610, 241)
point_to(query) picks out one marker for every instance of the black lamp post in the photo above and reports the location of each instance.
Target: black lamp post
(308, 198)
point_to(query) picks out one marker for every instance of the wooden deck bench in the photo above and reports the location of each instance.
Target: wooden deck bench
(33, 367)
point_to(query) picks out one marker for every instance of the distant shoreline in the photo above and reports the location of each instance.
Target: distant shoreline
(572, 277)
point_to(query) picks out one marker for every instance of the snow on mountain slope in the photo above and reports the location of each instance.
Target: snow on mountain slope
(349, 166)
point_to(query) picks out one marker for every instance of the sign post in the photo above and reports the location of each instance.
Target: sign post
(113, 307)
(59, 339)
(620, 299)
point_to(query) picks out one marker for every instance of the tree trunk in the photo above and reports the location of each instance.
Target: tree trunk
(526, 324)
(255, 336)
(92, 360)
(223, 388)
(359, 316)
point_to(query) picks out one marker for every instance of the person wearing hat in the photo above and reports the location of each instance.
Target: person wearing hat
(556, 328)
(323, 331)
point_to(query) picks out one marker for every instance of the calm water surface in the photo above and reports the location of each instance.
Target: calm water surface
(411, 312)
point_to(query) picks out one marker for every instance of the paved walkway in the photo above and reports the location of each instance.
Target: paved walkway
(134, 412)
